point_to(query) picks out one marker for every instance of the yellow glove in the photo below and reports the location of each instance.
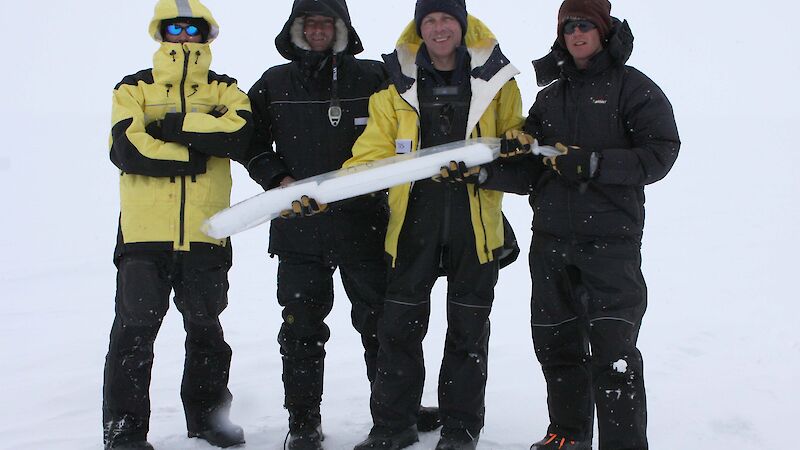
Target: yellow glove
(305, 207)
(515, 143)
(458, 172)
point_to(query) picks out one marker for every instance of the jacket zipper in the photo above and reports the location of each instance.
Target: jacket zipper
(185, 75)
(183, 210)
(575, 132)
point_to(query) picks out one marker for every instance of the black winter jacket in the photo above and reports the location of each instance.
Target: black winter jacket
(291, 110)
(610, 108)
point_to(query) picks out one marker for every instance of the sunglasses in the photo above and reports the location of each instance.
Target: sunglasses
(583, 25)
(176, 30)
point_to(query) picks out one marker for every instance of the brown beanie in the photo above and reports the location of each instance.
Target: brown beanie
(596, 11)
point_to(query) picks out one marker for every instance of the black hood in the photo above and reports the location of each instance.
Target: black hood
(331, 8)
(617, 51)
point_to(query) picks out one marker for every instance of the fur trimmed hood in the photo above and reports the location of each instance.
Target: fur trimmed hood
(291, 43)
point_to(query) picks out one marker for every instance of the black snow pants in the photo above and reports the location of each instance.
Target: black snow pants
(305, 290)
(437, 234)
(587, 306)
(144, 283)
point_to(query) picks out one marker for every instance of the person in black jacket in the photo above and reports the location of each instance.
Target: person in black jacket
(616, 132)
(313, 109)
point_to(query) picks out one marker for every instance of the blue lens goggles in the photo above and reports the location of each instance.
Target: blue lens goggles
(176, 30)
(583, 25)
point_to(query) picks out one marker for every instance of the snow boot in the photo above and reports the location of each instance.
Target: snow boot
(428, 419)
(138, 445)
(384, 439)
(222, 433)
(126, 432)
(306, 439)
(555, 442)
(453, 439)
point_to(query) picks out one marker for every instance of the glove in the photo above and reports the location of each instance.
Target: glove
(458, 172)
(305, 207)
(154, 130)
(516, 143)
(218, 111)
(574, 163)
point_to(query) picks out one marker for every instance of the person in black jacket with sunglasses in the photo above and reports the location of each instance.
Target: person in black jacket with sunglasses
(616, 133)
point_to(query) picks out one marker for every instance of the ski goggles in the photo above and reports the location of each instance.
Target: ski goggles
(175, 30)
(583, 25)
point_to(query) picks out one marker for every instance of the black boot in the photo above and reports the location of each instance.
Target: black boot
(306, 439)
(428, 419)
(457, 440)
(220, 433)
(555, 442)
(126, 433)
(138, 445)
(383, 439)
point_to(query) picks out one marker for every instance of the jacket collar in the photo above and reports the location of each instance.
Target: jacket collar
(490, 70)
(170, 61)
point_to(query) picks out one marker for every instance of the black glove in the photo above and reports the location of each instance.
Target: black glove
(574, 163)
(516, 143)
(154, 130)
(305, 207)
(458, 172)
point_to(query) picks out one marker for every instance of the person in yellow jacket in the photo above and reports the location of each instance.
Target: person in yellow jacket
(449, 81)
(176, 128)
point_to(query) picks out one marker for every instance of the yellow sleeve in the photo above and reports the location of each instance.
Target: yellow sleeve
(378, 140)
(237, 117)
(509, 109)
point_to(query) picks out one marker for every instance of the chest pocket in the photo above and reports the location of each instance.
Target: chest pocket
(444, 112)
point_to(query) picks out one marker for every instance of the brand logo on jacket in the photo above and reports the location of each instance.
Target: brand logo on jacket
(599, 101)
(402, 146)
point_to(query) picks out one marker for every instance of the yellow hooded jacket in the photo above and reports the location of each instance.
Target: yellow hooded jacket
(496, 107)
(169, 186)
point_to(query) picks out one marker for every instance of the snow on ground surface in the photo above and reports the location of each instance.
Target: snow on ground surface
(720, 339)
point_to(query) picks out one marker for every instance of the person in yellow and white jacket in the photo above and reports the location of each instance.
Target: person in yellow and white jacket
(176, 128)
(449, 81)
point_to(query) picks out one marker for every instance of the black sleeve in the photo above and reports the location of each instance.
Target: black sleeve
(519, 175)
(648, 115)
(265, 166)
(222, 144)
(128, 159)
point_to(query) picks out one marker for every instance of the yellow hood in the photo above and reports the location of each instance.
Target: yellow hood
(170, 9)
(478, 37)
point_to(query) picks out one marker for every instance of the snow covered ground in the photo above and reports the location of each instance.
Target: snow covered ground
(720, 340)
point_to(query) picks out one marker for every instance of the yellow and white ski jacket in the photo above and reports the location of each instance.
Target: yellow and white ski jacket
(169, 186)
(496, 107)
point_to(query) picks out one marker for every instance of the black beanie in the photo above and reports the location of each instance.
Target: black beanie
(455, 8)
(200, 23)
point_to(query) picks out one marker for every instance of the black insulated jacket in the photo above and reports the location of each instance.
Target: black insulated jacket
(610, 108)
(294, 135)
